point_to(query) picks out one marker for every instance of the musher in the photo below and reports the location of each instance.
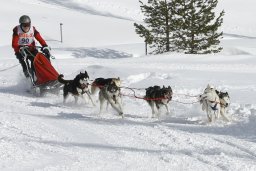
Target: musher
(24, 36)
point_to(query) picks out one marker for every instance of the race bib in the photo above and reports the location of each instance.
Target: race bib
(26, 38)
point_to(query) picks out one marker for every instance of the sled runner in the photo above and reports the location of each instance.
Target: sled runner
(43, 76)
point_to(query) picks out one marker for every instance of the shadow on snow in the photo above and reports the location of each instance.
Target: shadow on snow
(97, 53)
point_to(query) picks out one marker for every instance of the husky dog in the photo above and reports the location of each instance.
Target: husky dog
(99, 83)
(157, 96)
(210, 103)
(76, 87)
(224, 103)
(111, 94)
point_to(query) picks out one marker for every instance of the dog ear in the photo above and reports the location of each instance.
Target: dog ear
(85, 72)
(217, 92)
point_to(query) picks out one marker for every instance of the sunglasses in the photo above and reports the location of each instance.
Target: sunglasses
(25, 24)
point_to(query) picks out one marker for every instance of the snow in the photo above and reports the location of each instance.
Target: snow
(41, 133)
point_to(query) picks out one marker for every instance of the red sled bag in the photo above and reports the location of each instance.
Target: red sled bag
(44, 70)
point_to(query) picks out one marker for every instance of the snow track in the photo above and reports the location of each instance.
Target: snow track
(41, 130)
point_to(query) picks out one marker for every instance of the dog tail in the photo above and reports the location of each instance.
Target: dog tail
(61, 80)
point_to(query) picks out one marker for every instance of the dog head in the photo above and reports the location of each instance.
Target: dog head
(113, 87)
(116, 81)
(209, 89)
(82, 80)
(224, 98)
(167, 92)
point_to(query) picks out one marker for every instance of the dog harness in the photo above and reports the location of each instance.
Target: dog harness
(215, 106)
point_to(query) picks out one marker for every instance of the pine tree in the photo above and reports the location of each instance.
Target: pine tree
(196, 28)
(158, 29)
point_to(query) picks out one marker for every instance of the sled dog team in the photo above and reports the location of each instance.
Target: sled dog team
(214, 102)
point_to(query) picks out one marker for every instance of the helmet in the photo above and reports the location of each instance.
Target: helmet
(24, 19)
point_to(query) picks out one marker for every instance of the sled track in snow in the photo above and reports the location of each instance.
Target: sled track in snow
(238, 36)
(83, 9)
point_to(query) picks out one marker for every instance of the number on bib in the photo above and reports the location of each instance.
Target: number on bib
(25, 40)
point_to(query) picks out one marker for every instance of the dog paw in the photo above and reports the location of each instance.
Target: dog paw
(121, 114)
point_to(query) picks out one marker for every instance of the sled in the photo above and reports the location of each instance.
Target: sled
(43, 76)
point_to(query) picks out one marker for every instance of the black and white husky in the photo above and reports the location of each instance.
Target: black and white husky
(224, 103)
(76, 87)
(110, 93)
(158, 97)
(214, 103)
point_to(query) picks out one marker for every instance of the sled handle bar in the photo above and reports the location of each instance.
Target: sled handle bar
(24, 51)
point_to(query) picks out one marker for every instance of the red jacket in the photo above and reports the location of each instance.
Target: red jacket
(15, 39)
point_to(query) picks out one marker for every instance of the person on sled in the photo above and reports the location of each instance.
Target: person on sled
(24, 36)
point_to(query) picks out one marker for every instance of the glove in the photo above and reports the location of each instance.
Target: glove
(46, 51)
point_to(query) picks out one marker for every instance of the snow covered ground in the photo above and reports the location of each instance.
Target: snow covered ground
(43, 134)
